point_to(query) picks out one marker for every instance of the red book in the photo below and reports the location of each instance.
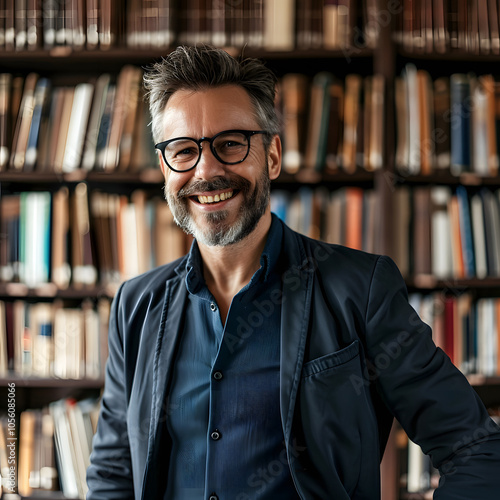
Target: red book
(449, 324)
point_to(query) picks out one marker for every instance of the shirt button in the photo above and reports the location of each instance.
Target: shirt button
(215, 435)
(213, 496)
(213, 307)
(217, 375)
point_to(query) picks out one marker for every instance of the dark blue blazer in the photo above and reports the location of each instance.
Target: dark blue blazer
(354, 355)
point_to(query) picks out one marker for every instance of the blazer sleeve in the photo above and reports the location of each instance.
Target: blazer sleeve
(427, 394)
(109, 475)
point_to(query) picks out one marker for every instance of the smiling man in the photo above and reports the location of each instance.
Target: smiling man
(265, 365)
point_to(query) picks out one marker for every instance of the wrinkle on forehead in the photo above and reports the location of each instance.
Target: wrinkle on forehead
(203, 113)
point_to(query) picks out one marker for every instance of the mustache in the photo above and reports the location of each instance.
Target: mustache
(216, 184)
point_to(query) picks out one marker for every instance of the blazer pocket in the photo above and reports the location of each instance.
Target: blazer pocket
(332, 360)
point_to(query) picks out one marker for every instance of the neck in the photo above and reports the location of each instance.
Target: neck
(228, 269)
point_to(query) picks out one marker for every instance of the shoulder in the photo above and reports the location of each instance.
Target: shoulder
(153, 281)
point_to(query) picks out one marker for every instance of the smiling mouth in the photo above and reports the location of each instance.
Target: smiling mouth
(214, 199)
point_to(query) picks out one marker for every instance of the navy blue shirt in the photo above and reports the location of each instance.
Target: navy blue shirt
(224, 405)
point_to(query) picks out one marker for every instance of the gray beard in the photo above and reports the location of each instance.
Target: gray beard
(216, 232)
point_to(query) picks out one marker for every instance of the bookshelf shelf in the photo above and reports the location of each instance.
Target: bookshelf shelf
(444, 177)
(68, 66)
(50, 291)
(429, 282)
(51, 383)
(145, 176)
(454, 56)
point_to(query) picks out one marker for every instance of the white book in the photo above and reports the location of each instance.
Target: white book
(486, 337)
(35, 238)
(418, 475)
(65, 450)
(414, 146)
(77, 126)
(440, 234)
(477, 217)
(279, 24)
(92, 346)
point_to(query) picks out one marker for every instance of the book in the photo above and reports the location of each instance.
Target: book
(40, 99)
(353, 84)
(34, 238)
(442, 132)
(318, 122)
(421, 232)
(84, 272)
(441, 258)
(466, 232)
(23, 123)
(478, 232)
(77, 126)
(95, 120)
(460, 117)
(10, 214)
(279, 26)
(425, 100)
(294, 88)
(5, 88)
(402, 120)
(60, 267)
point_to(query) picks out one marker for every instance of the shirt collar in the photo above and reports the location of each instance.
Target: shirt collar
(268, 260)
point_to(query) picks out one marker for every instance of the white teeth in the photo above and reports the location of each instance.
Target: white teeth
(216, 198)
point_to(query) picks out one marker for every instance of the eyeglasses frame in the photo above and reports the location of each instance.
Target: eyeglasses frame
(247, 133)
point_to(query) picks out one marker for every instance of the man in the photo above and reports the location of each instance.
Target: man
(265, 365)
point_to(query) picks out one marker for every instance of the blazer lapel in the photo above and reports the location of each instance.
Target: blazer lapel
(169, 333)
(295, 312)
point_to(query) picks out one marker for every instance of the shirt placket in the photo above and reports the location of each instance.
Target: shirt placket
(215, 418)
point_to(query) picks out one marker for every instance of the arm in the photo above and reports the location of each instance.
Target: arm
(110, 473)
(431, 398)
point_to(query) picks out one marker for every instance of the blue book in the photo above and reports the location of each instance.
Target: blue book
(466, 232)
(40, 99)
(461, 110)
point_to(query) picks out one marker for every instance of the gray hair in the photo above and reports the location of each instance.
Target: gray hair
(203, 67)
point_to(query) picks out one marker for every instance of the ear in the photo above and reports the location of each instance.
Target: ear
(274, 158)
(164, 168)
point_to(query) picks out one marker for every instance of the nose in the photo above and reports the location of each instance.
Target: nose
(208, 166)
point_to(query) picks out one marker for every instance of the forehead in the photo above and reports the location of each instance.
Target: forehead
(206, 112)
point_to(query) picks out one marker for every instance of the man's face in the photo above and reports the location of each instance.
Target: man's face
(242, 189)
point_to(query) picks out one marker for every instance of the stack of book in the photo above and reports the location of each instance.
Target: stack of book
(49, 340)
(467, 329)
(449, 124)
(54, 448)
(52, 128)
(442, 234)
(347, 216)
(272, 24)
(330, 125)
(439, 26)
(73, 24)
(68, 238)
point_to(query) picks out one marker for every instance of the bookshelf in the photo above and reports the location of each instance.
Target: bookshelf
(374, 37)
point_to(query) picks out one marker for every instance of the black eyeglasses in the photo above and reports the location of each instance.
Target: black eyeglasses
(229, 147)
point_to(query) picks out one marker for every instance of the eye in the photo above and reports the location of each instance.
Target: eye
(180, 151)
(186, 152)
(231, 144)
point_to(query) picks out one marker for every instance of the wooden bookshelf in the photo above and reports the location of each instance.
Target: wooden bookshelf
(68, 65)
